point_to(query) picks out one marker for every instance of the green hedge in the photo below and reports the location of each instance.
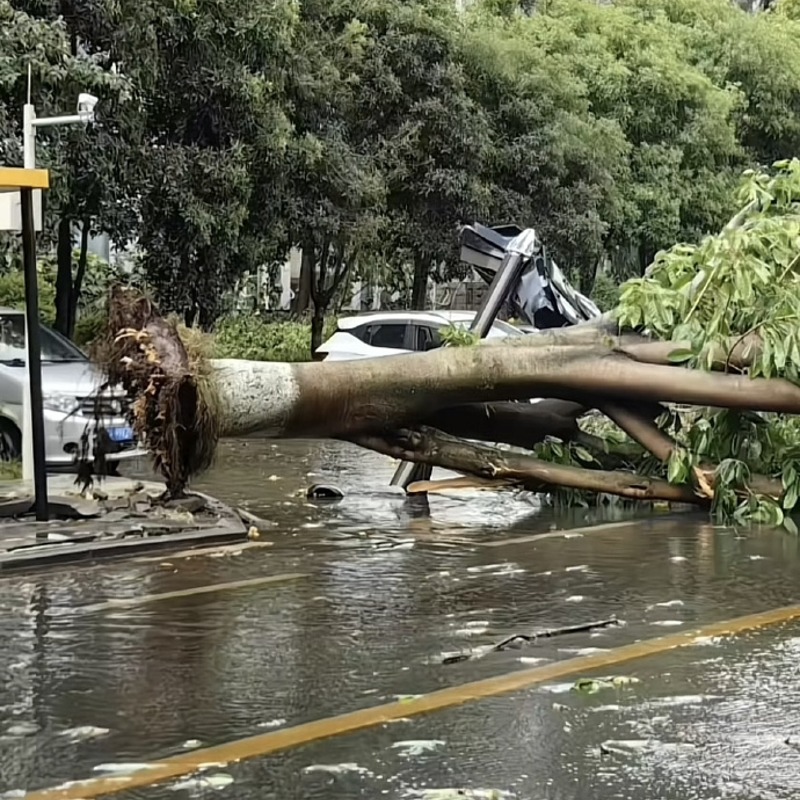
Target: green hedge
(254, 338)
(12, 293)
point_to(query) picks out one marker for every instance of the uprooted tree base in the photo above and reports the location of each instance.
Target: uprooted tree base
(173, 409)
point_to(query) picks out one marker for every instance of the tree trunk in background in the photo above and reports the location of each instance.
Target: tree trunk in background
(63, 276)
(419, 290)
(317, 329)
(302, 300)
(77, 284)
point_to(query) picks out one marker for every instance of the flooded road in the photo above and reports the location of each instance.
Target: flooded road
(348, 605)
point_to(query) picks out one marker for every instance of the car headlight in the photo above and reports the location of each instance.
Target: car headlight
(66, 403)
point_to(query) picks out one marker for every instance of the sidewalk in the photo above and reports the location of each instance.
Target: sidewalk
(120, 517)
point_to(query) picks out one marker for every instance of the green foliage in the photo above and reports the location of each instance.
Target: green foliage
(367, 131)
(12, 292)
(10, 470)
(458, 336)
(606, 292)
(742, 284)
(251, 337)
(89, 326)
(742, 281)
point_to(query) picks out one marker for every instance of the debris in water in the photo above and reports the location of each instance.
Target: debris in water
(490, 567)
(518, 640)
(677, 559)
(405, 698)
(666, 604)
(123, 768)
(191, 744)
(272, 723)
(337, 769)
(574, 598)
(321, 491)
(625, 747)
(577, 568)
(583, 651)
(83, 732)
(470, 631)
(459, 794)
(594, 685)
(218, 780)
(22, 729)
(668, 623)
(416, 747)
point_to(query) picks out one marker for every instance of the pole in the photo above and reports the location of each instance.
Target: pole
(34, 359)
(29, 162)
(519, 250)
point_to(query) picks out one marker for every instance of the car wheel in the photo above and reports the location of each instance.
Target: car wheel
(10, 441)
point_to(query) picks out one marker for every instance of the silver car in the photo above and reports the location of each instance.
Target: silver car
(70, 384)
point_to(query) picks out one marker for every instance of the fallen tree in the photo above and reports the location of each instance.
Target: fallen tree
(687, 393)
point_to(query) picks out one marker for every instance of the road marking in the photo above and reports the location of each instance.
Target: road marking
(275, 741)
(215, 551)
(131, 602)
(559, 534)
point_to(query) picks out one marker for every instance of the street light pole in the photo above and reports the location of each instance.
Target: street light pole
(85, 115)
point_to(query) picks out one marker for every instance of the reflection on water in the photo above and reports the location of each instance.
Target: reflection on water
(392, 586)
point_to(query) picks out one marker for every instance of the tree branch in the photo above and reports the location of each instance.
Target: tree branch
(429, 446)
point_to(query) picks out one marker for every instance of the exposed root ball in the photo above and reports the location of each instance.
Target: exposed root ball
(172, 403)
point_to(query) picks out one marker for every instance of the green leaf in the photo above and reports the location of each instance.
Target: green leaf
(679, 356)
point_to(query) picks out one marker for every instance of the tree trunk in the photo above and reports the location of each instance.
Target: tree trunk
(419, 289)
(396, 404)
(317, 328)
(77, 284)
(302, 299)
(63, 300)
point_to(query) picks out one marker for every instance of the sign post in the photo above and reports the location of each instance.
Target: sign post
(26, 181)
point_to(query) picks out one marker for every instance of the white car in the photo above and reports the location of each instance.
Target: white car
(386, 333)
(69, 398)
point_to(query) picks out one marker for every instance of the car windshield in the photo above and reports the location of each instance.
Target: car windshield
(55, 348)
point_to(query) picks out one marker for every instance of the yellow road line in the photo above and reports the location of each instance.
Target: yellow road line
(275, 741)
(131, 602)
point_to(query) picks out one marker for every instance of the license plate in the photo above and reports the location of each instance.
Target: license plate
(121, 434)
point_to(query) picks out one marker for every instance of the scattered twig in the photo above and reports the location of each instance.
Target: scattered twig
(523, 638)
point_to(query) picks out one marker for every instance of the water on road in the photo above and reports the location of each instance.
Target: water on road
(343, 606)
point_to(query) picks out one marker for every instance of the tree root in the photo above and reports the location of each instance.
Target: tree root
(173, 411)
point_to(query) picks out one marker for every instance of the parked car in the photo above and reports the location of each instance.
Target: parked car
(385, 333)
(70, 383)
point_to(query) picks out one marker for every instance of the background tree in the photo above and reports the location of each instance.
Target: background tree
(334, 206)
(429, 136)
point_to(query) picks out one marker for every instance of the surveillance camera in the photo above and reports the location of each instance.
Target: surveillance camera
(86, 104)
